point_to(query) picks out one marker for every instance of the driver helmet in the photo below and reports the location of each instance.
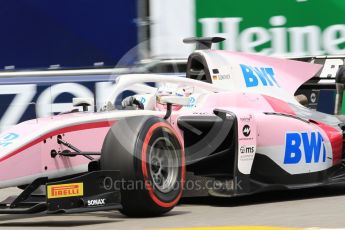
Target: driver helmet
(172, 90)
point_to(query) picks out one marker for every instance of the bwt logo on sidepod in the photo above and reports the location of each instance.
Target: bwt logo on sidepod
(311, 145)
(255, 76)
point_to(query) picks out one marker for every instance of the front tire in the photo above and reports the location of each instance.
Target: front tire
(150, 158)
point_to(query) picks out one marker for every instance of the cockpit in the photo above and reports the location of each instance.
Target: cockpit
(149, 97)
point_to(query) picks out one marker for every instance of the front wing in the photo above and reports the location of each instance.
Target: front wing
(92, 191)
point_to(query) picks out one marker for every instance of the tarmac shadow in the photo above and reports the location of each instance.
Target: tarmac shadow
(267, 197)
(43, 220)
(118, 215)
(65, 220)
(60, 223)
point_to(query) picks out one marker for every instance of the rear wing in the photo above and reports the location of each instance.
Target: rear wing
(321, 88)
(330, 65)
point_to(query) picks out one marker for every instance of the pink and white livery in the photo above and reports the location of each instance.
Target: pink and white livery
(234, 118)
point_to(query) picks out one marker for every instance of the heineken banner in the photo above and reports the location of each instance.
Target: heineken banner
(272, 27)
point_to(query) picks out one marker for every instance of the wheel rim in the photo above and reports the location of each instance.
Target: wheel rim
(163, 162)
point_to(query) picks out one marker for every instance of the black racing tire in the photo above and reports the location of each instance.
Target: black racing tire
(151, 161)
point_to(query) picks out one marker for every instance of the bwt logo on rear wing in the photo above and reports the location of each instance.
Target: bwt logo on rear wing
(255, 76)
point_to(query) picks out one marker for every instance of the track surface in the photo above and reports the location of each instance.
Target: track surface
(322, 207)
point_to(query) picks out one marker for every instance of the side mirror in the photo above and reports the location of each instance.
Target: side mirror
(174, 100)
(84, 102)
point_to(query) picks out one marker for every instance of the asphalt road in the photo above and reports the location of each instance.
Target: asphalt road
(321, 208)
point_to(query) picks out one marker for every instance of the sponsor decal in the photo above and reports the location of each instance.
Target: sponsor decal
(330, 67)
(192, 102)
(246, 119)
(310, 145)
(8, 139)
(246, 130)
(215, 71)
(221, 77)
(96, 202)
(65, 190)
(224, 77)
(247, 149)
(142, 100)
(247, 153)
(255, 76)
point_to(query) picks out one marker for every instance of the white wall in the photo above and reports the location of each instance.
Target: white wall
(167, 42)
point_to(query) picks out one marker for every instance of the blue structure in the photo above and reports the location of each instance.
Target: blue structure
(78, 33)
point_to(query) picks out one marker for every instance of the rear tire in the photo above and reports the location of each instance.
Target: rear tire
(150, 158)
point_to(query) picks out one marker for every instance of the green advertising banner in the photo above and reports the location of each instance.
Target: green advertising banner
(274, 27)
(271, 27)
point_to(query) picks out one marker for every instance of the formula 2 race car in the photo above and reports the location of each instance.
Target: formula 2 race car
(234, 119)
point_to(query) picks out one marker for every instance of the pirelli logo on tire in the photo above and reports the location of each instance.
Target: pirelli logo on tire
(65, 190)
